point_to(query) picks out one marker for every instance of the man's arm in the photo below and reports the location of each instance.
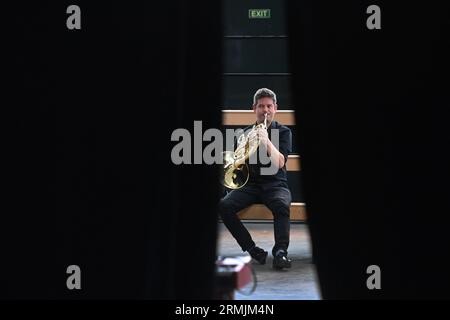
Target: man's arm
(277, 156)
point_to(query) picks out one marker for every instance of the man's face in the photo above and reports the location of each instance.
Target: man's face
(265, 105)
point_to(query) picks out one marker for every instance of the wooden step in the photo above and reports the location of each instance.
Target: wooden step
(247, 117)
(293, 163)
(261, 212)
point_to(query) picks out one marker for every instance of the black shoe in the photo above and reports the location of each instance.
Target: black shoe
(258, 254)
(281, 261)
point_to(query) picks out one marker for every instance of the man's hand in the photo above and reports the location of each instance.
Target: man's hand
(263, 136)
(276, 157)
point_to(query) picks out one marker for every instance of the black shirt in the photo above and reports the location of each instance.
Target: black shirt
(284, 147)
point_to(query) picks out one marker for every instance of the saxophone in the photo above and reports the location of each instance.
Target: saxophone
(235, 170)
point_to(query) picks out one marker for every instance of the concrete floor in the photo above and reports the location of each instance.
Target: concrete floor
(297, 283)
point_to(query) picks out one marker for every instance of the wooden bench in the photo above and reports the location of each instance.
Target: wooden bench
(261, 212)
(245, 117)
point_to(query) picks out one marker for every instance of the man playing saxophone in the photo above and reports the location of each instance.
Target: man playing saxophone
(269, 189)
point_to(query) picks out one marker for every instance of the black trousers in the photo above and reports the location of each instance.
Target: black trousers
(276, 196)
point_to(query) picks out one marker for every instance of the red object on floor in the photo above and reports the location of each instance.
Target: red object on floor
(232, 273)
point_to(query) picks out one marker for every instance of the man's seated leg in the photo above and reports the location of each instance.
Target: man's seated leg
(228, 208)
(278, 200)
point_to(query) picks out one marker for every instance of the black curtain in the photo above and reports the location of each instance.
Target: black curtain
(91, 181)
(88, 175)
(371, 108)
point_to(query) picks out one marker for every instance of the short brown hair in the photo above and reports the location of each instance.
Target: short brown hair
(262, 93)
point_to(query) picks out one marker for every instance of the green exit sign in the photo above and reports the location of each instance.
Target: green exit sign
(259, 13)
